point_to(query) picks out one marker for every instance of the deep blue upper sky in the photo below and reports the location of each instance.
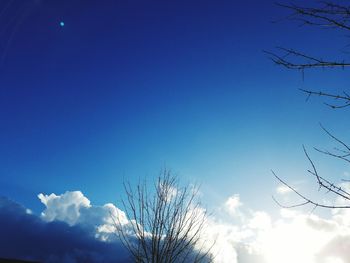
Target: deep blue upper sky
(126, 88)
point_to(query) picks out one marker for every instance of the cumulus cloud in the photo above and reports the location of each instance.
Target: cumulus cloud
(232, 205)
(260, 220)
(292, 237)
(28, 237)
(71, 229)
(75, 209)
(65, 207)
(336, 250)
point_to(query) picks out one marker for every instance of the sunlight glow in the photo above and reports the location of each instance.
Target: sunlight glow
(334, 260)
(294, 242)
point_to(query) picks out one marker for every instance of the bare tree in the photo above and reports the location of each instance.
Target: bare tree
(166, 223)
(327, 15)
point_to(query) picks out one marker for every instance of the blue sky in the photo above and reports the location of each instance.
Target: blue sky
(126, 88)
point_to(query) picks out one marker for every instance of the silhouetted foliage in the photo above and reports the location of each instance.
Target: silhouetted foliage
(166, 223)
(327, 15)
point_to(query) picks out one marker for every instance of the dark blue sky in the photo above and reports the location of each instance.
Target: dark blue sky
(126, 88)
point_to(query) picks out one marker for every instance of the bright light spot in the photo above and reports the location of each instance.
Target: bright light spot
(28, 211)
(334, 260)
(62, 24)
(293, 242)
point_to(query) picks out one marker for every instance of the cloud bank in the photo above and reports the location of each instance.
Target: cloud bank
(71, 229)
(29, 237)
(292, 237)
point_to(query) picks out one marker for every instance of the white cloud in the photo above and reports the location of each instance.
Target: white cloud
(256, 238)
(283, 189)
(232, 205)
(260, 220)
(65, 207)
(27, 236)
(336, 250)
(293, 237)
(75, 209)
(167, 191)
(294, 241)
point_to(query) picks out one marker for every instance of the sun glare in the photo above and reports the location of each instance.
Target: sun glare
(295, 242)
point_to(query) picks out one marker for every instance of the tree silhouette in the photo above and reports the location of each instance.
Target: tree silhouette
(166, 223)
(326, 15)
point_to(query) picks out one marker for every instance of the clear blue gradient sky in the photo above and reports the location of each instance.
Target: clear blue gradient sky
(126, 88)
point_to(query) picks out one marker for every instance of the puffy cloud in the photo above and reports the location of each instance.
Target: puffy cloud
(292, 237)
(71, 229)
(232, 205)
(27, 236)
(75, 209)
(260, 220)
(65, 207)
(167, 191)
